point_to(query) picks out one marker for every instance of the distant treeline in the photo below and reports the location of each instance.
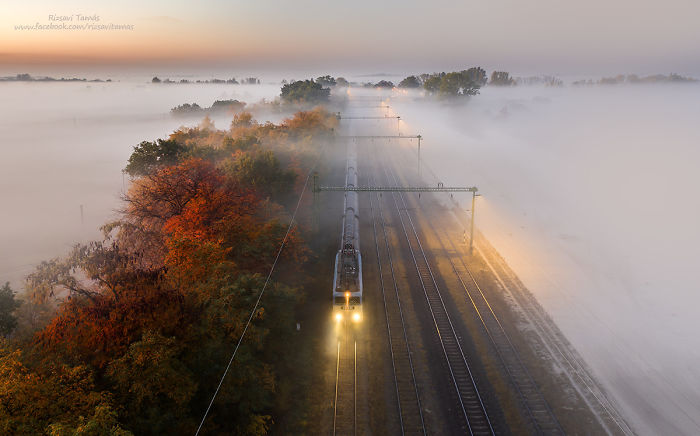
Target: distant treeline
(231, 81)
(217, 106)
(635, 79)
(29, 78)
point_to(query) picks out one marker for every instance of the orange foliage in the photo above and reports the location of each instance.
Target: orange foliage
(155, 198)
(100, 330)
(315, 120)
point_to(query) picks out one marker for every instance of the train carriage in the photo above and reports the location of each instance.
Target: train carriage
(347, 277)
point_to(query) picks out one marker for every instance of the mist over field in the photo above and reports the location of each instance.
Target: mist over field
(589, 193)
(65, 144)
(591, 196)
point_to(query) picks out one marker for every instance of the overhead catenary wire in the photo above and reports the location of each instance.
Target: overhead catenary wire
(262, 291)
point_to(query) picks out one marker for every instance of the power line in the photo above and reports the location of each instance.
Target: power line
(257, 302)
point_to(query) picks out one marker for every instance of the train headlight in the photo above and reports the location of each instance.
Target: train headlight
(338, 317)
(356, 317)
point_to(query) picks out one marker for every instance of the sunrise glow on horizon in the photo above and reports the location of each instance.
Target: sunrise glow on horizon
(591, 36)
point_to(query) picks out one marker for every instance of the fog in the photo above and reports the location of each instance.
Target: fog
(591, 196)
(589, 193)
(64, 145)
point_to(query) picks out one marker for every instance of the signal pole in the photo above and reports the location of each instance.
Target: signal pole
(471, 231)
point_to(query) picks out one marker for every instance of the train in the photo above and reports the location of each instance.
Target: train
(347, 276)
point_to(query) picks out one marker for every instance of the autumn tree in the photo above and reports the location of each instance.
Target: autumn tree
(242, 120)
(157, 197)
(318, 123)
(149, 315)
(103, 422)
(48, 397)
(88, 270)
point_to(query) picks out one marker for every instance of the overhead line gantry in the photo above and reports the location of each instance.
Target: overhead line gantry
(439, 188)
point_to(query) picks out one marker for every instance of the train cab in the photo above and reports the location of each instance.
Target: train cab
(347, 291)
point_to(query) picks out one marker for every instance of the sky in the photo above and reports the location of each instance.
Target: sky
(534, 37)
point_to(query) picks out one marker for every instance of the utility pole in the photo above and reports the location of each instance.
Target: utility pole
(471, 236)
(419, 139)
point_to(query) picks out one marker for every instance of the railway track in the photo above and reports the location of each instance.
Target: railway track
(407, 396)
(605, 412)
(536, 407)
(471, 404)
(345, 404)
(533, 402)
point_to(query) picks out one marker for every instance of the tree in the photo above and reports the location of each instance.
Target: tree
(150, 155)
(384, 84)
(31, 397)
(315, 123)
(501, 78)
(8, 304)
(305, 91)
(227, 105)
(103, 422)
(163, 194)
(456, 83)
(342, 82)
(410, 82)
(242, 119)
(326, 81)
(186, 108)
(263, 172)
(154, 384)
(155, 80)
(207, 124)
(432, 82)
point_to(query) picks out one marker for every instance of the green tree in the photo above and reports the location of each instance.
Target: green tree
(263, 172)
(432, 82)
(326, 81)
(154, 384)
(8, 305)
(149, 155)
(457, 83)
(227, 105)
(410, 82)
(384, 84)
(501, 78)
(186, 108)
(305, 91)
